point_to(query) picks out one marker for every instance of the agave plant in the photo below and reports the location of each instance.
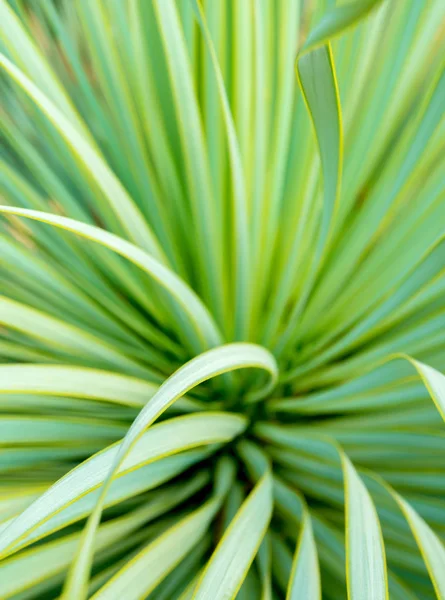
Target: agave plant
(223, 299)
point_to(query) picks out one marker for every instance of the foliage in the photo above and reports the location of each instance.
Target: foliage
(223, 299)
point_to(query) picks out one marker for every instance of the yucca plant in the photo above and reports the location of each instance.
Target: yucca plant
(222, 264)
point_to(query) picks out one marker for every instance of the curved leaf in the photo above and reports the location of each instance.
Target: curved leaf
(336, 20)
(172, 436)
(142, 574)
(123, 206)
(203, 327)
(207, 365)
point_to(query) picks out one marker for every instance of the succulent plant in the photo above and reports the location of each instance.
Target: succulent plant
(222, 316)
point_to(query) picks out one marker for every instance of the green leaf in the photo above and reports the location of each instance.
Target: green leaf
(125, 209)
(304, 581)
(60, 335)
(209, 235)
(318, 82)
(365, 551)
(143, 573)
(127, 485)
(234, 554)
(172, 436)
(28, 568)
(202, 325)
(243, 285)
(336, 20)
(27, 53)
(434, 382)
(431, 547)
(207, 365)
(15, 430)
(58, 380)
(429, 544)
(201, 146)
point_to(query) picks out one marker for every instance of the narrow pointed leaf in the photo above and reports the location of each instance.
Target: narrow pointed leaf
(233, 556)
